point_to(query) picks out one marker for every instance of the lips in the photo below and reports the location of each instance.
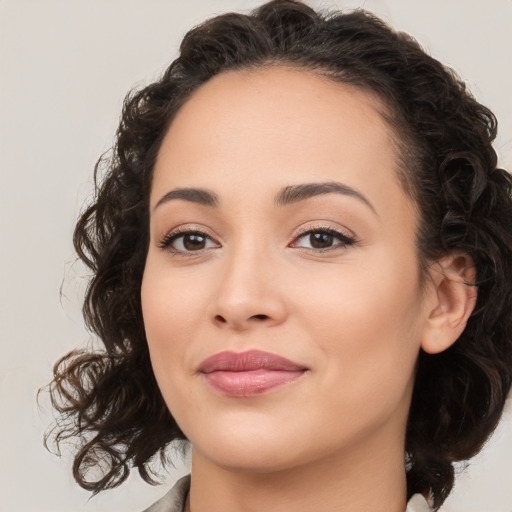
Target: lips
(248, 374)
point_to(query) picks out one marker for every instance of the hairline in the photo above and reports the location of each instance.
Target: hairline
(402, 142)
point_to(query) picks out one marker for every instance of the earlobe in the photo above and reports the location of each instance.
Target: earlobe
(454, 298)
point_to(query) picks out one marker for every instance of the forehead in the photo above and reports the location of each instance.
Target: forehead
(275, 126)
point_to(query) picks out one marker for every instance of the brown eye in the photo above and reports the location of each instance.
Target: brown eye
(194, 242)
(321, 240)
(187, 242)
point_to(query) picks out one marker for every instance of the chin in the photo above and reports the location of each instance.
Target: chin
(256, 459)
(250, 445)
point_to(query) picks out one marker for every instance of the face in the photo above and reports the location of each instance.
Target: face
(281, 294)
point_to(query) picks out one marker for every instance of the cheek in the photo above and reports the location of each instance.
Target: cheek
(359, 296)
(170, 308)
(171, 299)
(367, 320)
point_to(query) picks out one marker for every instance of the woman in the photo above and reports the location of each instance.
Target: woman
(301, 258)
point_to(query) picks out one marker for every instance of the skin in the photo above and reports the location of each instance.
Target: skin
(355, 314)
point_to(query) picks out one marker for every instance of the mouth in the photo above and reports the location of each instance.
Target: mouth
(248, 374)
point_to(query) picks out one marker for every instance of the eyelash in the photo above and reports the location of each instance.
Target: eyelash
(167, 240)
(345, 240)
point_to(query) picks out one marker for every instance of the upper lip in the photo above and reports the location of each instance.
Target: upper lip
(247, 361)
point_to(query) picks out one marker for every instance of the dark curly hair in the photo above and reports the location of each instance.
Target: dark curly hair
(110, 398)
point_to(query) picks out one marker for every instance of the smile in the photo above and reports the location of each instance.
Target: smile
(248, 374)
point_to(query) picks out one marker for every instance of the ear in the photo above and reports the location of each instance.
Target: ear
(453, 298)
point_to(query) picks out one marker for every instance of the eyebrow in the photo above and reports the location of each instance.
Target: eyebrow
(286, 196)
(295, 193)
(193, 195)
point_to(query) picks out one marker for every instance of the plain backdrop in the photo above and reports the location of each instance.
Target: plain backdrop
(65, 66)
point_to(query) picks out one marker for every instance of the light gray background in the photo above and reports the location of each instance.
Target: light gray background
(65, 66)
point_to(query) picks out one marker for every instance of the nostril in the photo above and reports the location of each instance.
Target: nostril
(239, 322)
(260, 317)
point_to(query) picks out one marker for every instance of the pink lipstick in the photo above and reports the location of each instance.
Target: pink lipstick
(248, 374)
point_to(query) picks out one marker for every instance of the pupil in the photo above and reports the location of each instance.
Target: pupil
(321, 240)
(193, 242)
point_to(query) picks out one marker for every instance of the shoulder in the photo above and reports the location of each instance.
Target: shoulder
(174, 500)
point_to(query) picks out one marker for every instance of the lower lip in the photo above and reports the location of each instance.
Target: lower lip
(249, 383)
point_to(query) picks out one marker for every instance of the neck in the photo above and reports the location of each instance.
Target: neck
(362, 478)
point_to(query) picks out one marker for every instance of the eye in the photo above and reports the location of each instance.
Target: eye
(322, 239)
(187, 241)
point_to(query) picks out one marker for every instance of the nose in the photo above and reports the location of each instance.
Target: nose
(248, 293)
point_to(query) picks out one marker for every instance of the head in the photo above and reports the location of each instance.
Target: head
(437, 185)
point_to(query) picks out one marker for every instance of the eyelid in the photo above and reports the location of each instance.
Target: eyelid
(166, 240)
(313, 227)
(347, 237)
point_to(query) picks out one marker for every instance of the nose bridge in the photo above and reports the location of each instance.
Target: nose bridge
(248, 292)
